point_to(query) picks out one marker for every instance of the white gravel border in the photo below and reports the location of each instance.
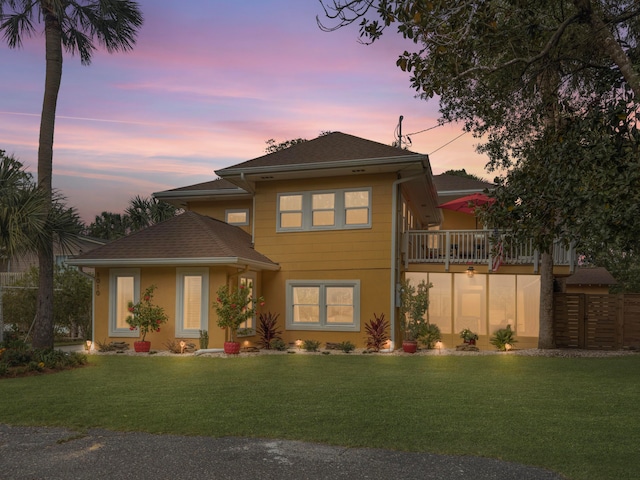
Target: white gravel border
(530, 352)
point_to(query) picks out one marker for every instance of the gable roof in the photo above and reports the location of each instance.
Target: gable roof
(186, 239)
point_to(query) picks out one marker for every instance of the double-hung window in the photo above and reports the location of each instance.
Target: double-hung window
(324, 210)
(332, 305)
(192, 302)
(124, 287)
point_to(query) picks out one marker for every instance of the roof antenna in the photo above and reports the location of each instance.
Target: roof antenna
(400, 131)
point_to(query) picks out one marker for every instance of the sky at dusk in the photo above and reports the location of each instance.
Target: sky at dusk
(207, 84)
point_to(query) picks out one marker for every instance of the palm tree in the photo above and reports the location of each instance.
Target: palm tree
(109, 226)
(72, 25)
(144, 212)
(28, 219)
(22, 216)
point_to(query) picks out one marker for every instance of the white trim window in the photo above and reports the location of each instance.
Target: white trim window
(237, 216)
(192, 301)
(332, 305)
(248, 280)
(124, 287)
(324, 210)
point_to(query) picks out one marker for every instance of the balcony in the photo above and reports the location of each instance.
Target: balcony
(478, 247)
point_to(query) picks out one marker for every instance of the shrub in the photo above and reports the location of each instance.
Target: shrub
(17, 356)
(376, 332)
(72, 302)
(347, 346)
(311, 345)
(204, 339)
(173, 346)
(12, 340)
(430, 336)
(503, 337)
(103, 346)
(268, 329)
(278, 344)
(17, 362)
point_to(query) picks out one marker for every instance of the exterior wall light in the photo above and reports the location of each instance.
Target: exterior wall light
(470, 271)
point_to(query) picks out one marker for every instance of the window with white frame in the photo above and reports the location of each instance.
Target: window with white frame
(248, 281)
(237, 216)
(324, 210)
(290, 212)
(323, 305)
(124, 287)
(192, 302)
(357, 205)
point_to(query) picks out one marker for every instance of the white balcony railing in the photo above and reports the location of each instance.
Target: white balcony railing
(474, 247)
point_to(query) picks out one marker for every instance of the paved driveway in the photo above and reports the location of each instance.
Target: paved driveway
(29, 453)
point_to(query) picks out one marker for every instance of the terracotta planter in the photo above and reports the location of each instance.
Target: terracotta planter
(232, 348)
(142, 346)
(409, 346)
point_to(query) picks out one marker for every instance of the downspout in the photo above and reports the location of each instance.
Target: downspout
(253, 207)
(394, 237)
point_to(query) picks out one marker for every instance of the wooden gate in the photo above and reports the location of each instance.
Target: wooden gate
(598, 322)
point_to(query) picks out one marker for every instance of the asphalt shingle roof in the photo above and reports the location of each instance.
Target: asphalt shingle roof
(186, 236)
(332, 147)
(446, 182)
(219, 184)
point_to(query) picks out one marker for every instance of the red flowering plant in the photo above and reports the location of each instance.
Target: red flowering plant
(145, 316)
(235, 306)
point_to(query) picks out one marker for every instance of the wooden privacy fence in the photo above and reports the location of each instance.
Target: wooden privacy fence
(597, 322)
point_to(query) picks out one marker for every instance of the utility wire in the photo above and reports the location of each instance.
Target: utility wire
(427, 129)
(406, 139)
(451, 141)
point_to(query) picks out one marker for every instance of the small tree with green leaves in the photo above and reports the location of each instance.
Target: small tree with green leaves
(234, 307)
(414, 305)
(145, 316)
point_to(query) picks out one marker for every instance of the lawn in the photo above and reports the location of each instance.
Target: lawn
(577, 416)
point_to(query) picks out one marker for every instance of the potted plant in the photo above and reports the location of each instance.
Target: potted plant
(234, 307)
(468, 336)
(414, 304)
(146, 317)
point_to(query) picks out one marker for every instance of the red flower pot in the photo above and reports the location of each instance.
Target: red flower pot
(409, 346)
(142, 346)
(232, 348)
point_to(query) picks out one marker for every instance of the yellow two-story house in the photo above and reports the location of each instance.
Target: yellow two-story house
(324, 231)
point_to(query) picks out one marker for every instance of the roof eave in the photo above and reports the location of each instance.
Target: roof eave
(301, 167)
(201, 194)
(158, 262)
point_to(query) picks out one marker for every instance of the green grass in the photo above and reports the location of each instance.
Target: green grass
(577, 416)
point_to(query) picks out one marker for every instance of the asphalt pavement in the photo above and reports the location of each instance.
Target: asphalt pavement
(42, 453)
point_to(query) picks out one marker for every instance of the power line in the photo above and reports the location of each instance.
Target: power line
(406, 138)
(451, 141)
(427, 129)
